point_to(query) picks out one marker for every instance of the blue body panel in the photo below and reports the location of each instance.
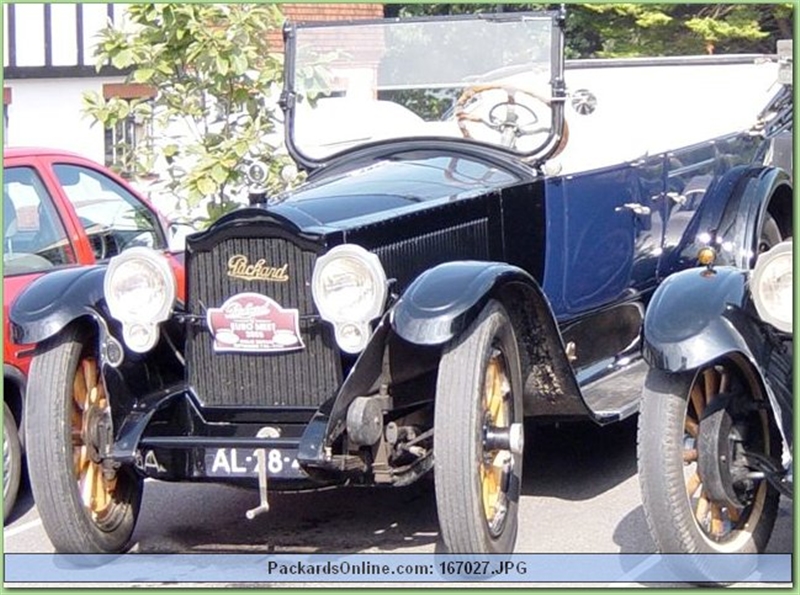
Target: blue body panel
(613, 234)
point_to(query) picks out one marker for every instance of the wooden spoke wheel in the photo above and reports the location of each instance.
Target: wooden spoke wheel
(496, 464)
(87, 503)
(700, 491)
(90, 411)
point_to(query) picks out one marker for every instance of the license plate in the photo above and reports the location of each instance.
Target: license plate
(242, 462)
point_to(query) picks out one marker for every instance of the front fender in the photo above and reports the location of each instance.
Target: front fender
(54, 300)
(695, 317)
(444, 300)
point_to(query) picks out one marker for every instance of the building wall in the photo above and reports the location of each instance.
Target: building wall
(49, 113)
(48, 63)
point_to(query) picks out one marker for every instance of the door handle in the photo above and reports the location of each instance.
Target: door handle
(635, 208)
(679, 199)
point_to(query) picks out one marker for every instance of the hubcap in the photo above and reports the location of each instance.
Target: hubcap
(710, 475)
(497, 461)
(90, 413)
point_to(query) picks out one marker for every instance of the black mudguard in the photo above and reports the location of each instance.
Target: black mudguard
(56, 300)
(688, 321)
(746, 211)
(49, 304)
(442, 302)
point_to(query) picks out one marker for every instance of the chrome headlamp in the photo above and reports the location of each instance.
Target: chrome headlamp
(349, 288)
(771, 286)
(140, 288)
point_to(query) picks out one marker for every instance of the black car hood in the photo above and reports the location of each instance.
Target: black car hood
(395, 186)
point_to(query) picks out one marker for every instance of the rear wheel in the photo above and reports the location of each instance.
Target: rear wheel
(478, 437)
(698, 432)
(86, 505)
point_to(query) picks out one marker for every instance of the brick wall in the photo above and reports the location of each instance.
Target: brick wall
(332, 12)
(324, 12)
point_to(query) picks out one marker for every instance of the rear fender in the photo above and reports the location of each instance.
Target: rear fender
(764, 190)
(734, 209)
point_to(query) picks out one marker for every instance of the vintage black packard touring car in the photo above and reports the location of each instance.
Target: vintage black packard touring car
(477, 241)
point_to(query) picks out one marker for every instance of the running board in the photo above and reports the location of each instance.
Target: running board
(616, 396)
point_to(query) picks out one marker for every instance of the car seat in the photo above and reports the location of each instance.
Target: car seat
(14, 262)
(9, 223)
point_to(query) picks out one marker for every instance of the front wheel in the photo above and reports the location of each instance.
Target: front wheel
(478, 438)
(698, 432)
(86, 505)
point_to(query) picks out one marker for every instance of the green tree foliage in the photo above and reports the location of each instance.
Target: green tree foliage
(216, 80)
(624, 30)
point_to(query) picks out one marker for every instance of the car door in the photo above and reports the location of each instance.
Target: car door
(612, 233)
(605, 232)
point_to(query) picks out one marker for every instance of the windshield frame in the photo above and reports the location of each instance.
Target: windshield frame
(557, 87)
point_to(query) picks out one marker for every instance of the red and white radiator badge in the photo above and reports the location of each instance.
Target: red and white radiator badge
(254, 323)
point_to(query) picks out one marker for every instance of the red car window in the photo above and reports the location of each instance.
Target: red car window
(34, 238)
(114, 219)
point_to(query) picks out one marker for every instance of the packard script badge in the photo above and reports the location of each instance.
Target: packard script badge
(254, 323)
(240, 268)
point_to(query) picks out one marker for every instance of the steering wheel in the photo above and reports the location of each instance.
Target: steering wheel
(99, 238)
(509, 125)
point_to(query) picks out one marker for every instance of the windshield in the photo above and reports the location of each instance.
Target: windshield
(486, 78)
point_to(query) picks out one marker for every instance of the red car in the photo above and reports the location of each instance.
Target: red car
(59, 210)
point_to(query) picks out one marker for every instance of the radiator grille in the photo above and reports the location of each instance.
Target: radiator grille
(303, 378)
(407, 259)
